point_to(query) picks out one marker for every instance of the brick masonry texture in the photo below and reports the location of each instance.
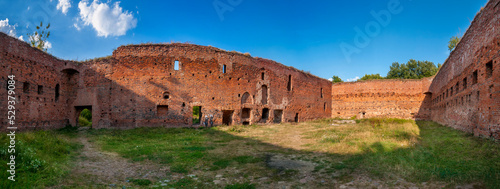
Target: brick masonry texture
(159, 85)
(466, 91)
(139, 86)
(382, 98)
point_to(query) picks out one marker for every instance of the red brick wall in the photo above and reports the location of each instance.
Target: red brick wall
(474, 108)
(36, 76)
(142, 73)
(381, 98)
(128, 89)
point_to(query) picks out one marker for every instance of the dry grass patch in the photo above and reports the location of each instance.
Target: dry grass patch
(316, 154)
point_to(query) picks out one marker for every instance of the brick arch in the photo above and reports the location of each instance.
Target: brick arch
(246, 98)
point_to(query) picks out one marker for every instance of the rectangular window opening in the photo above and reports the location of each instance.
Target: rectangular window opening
(289, 84)
(474, 77)
(176, 65)
(245, 113)
(162, 110)
(57, 93)
(464, 83)
(224, 68)
(26, 87)
(40, 89)
(489, 69)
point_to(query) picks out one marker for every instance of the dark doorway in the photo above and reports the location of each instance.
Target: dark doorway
(296, 119)
(278, 114)
(84, 116)
(245, 113)
(197, 115)
(265, 115)
(227, 117)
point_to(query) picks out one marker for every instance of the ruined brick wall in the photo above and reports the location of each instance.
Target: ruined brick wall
(37, 75)
(252, 90)
(138, 86)
(381, 98)
(466, 91)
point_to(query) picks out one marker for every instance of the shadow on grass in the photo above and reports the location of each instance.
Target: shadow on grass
(439, 154)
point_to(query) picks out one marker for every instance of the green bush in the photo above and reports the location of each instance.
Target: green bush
(84, 122)
(87, 114)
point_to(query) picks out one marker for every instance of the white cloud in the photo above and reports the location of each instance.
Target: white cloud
(330, 79)
(5, 27)
(64, 5)
(46, 45)
(105, 19)
(77, 26)
(352, 79)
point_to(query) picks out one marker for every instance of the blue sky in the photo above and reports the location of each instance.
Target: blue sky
(321, 37)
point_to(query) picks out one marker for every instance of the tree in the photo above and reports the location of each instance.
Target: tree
(38, 39)
(370, 77)
(453, 42)
(336, 79)
(412, 70)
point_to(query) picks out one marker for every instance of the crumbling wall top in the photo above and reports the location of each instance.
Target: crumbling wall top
(205, 52)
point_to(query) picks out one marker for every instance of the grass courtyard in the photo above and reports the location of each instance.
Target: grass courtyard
(368, 153)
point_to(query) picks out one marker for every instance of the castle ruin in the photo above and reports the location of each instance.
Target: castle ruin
(154, 85)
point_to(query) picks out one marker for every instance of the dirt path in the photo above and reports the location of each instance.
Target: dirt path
(94, 167)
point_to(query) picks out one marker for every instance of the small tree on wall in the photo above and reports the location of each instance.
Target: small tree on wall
(453, 42)
(38, 39)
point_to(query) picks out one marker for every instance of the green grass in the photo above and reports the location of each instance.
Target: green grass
(442, 154)
(386, 149)
(84, 122)
(141, 182)
(427, 152)
(241, 186)
(42, 158)
(181, 148)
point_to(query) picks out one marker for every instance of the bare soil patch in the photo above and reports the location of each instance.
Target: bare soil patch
(98, 168)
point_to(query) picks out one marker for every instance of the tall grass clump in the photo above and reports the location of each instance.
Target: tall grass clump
(41, 157)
